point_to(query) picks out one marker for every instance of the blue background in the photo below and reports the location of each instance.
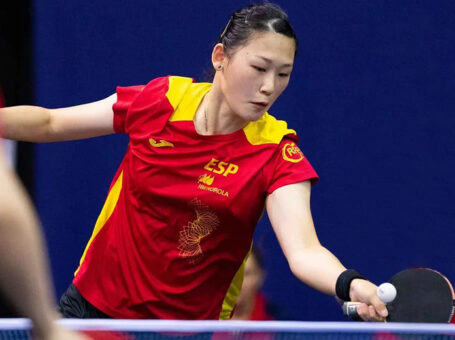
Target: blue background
(371, 97)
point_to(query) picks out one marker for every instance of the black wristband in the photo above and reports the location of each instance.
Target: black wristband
(343, 284)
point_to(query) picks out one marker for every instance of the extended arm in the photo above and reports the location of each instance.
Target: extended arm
(289, 211)
(38, 124)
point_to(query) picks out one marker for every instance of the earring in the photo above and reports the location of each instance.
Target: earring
(220, 67)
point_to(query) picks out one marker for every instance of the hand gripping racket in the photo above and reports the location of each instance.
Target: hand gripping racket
(422, 295)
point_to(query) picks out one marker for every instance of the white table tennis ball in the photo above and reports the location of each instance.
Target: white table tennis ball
(387, 292)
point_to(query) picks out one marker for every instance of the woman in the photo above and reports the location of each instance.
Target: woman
(202, 162)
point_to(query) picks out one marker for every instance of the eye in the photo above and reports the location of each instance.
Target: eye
(283, 75)
(259, 69)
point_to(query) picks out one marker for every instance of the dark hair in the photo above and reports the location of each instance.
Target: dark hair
(266, 17)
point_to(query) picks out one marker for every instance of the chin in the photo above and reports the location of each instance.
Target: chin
(251, 116)
(255, 117)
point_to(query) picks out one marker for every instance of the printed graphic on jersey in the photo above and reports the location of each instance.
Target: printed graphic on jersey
(160, 144)
(206, 179)
(192, 234)
(292, 153)
(219, 167)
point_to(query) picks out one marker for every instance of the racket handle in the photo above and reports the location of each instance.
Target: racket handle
(350, 309)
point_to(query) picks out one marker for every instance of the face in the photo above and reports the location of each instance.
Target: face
(256, 74)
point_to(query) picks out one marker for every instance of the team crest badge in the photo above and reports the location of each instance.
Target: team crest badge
(292, 153)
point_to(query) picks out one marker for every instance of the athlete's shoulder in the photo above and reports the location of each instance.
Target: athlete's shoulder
(139, 108)
(268, 130)
(176, 89)
(170, 86)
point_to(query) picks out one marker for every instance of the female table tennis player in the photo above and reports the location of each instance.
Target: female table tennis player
(203, 161)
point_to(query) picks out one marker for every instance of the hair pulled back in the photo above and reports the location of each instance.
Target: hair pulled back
(266, 17)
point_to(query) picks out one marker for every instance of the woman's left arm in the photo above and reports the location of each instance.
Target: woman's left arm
(288, 208)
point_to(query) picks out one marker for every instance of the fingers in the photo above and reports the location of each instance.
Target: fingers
(379, 306)
(368, 313)
(372, 309)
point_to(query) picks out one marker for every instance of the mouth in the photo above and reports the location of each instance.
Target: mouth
(261, 105)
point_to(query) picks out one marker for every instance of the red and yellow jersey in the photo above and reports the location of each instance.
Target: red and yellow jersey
(179, 218)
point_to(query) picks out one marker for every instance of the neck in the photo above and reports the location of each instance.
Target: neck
(214, 116)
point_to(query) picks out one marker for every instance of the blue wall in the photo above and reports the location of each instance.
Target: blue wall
(371, 96)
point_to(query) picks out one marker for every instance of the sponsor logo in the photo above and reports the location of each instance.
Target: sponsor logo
(160, 144)
(206, 179)
(215, 166)
(213, 189)
(292, 153)
(221, 168)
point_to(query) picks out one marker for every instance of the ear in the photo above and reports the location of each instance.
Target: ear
(218, 57)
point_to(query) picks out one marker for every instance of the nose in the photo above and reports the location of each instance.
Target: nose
(268, 84)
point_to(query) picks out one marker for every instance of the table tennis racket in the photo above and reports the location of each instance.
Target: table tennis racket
(423, 295)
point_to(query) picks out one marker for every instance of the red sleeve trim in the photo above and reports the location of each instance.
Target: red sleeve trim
(125, 97)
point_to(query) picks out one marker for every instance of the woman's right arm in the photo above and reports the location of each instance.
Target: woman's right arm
(39, 124)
